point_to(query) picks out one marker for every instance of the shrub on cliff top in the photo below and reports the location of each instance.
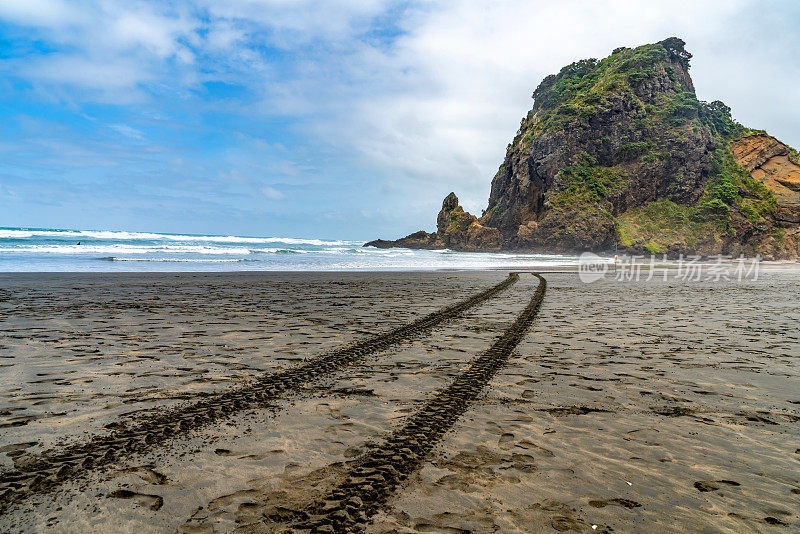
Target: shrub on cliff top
(675, 47)
(582, 89)
(717, 116)
(794, 156)
(559, 87)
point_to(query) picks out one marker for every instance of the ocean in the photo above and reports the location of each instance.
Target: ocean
(64, 250)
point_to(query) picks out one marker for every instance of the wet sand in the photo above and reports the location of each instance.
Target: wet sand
(649, 406)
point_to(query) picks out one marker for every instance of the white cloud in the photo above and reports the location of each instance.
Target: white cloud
(106, 73)
(127, 131)
(111, 47)
(290, 22)
(271, 193)
(157, 34)
(46, 13)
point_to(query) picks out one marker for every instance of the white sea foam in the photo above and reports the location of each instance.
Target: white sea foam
(177, 260)
(124, 249)
(140, 236)
(26, 249)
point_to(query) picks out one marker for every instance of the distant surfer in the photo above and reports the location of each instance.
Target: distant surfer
(79, 242)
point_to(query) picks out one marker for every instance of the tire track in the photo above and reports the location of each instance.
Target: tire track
(39, 474)
(371, 479)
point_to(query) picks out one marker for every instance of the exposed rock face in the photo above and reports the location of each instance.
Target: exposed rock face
(767, 160)
(753, 151)
(770, 162)
(620, 153)
(461, 230)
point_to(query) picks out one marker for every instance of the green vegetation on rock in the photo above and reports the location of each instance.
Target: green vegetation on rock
(794, 156)
(583, 201)
(731, 186)
(590, 87)
(588, 182)
(633, 150)
(662, 226)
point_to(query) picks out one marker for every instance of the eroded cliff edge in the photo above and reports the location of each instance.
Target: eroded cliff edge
(620, 153)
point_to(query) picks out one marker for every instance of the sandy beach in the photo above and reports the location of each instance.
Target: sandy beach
(261, 402)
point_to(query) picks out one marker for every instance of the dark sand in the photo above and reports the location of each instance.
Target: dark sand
(651, 406)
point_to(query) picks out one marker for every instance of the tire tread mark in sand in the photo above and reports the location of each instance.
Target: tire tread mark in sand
(372, 478)
(43, 473)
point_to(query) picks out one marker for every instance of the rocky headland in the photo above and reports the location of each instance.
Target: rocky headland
(619, 153)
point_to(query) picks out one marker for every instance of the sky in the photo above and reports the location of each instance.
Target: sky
(333, 119)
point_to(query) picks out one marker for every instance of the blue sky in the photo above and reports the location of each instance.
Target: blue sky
(321, 119)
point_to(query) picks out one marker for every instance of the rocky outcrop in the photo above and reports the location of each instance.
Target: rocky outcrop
(456, 230)
(461, 230)
(620, 153)
(753, 151)
(417, 240)
(467, 234)
(768, 161)
(443, 220)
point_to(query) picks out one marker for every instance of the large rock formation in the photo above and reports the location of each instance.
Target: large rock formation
(620, 153)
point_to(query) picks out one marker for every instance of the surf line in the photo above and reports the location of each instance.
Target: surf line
(40, 474)
(374, 476)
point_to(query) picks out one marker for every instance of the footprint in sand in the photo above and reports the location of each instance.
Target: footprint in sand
(506, 441)
(152, 476)
(713, 485)
(625, 503)
(147, 473)
(536, 449)
(563, 524)
(523, 462)
(16, 447)
(154, 502)
(428, 527)
(196, 529)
